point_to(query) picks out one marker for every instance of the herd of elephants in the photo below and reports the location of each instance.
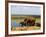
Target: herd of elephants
(29, 22)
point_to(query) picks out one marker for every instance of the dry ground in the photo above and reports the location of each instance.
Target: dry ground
(25, 28)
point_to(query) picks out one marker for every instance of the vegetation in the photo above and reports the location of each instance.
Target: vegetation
(20, 19)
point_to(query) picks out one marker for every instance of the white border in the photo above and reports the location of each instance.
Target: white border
(23, 32)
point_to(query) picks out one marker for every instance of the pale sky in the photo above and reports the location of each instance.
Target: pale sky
(26, 10)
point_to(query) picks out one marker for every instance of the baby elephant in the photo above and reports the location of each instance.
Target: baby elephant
(38, 24)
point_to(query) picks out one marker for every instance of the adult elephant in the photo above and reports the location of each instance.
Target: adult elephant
(31, 22)
(24, 23)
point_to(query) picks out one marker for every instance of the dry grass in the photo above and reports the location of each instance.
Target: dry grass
(25, 28)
